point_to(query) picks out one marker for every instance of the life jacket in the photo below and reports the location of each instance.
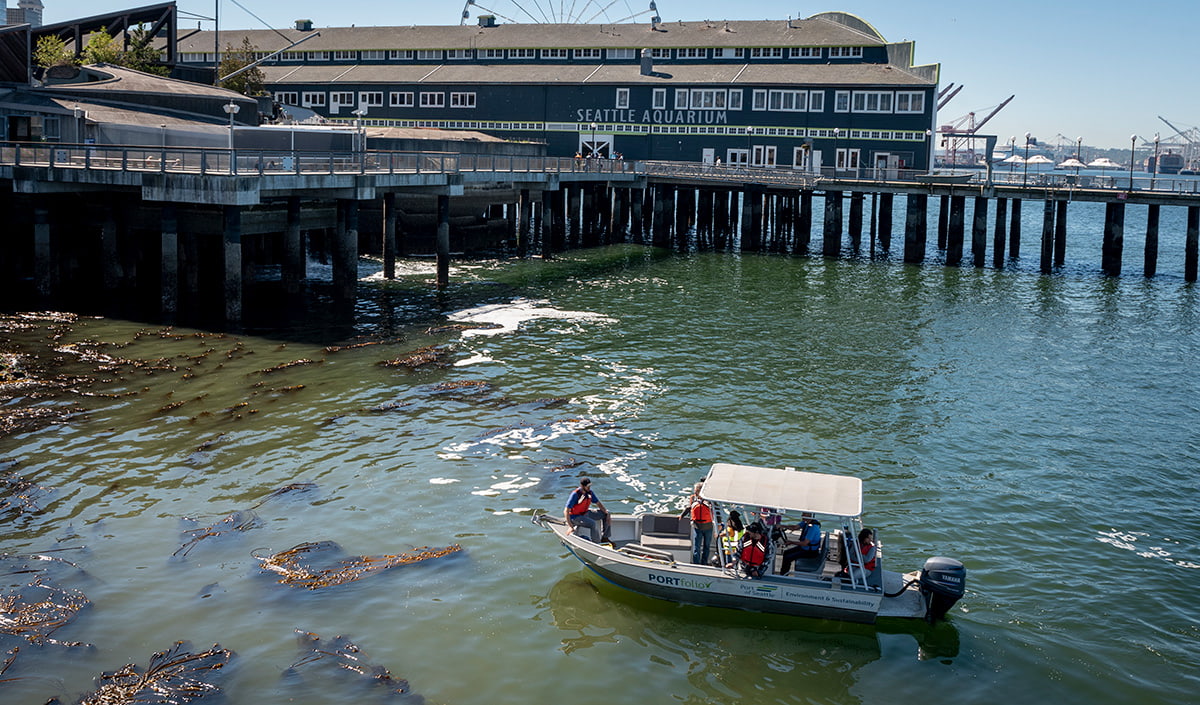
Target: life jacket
(753, 553)
(582, 504)
(701, 514)
(731, 541)
(868, 553)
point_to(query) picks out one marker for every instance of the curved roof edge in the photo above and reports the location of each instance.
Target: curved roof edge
(852, 21)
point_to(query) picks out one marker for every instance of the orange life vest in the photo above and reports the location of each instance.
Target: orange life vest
(753, 553)
(582, 505)
(701, 513)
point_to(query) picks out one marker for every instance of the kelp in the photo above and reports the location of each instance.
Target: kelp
(18, 494)
(346, 656)
(172, 676)
(33, 605)
(234, 521)
(429, 356)
(319, 564)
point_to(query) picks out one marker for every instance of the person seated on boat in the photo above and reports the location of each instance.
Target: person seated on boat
(731, 535)
(752, 553)
(866, 549)
(702, 526)
(579, 513)
(806, 547)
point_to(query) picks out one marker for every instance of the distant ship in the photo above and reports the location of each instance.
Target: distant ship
(1168, 163)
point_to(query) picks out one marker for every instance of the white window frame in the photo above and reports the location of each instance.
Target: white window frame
(708, 99)
(722, 53)
(458, 54)
(681, 98)
(400, 99)
(585, 53)
(522, 53)
(845, 52)
(691, 53)
(553, 54)
(758, 99)
(345, 56)
(491, 53)
(341, 99)
(659, 99)
(370, 99)
(816, 101)
(805, 52)
(910, 102)
(766, 53)
(841, 101)
(622, 102)
(735, 99)
(664, 54)
(787, 101)
(287, 97)
(312, 99)
(871, 102)
(620, 54)
(433, 99)
(317, 56)
(847, 158)
(430, 54)
(373, 55)
(462, 100)
(401, 54)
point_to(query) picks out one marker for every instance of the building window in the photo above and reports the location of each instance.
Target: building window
(318, 56)
(433, 100)
(522, 53)
(766, 53)
(910, 102)
(722, 53)
(659, 100)
(458, 54)
(429, 54)
(681, 99)
(400, 100)
(735, 99)
(554, 53)
(400, 54)
(622, 98)
(491, 53)
(312, 100)
(585, 53)
(345, 56)
(616, 54)
(708, 99)
(847, 158)
(845, 52)
(740, 53)
(871, 102)
(841, 102)
(462, 100)
(374, 55)
(816, 101)
(692, 53)
(806, 52)
(759, 100)
(341, 98)
(286, 97)
(788, 101)
(660, 53)
(371, 99)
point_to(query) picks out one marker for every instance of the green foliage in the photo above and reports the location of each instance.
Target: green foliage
(101, 48)
(142, 56)
(52, 51)
(251, 82)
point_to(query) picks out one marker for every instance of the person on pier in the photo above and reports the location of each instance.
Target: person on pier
(579, 512)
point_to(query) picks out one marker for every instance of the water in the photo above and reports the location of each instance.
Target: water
(1040, 429)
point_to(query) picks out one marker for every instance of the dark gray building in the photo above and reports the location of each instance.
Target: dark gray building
(808, 94)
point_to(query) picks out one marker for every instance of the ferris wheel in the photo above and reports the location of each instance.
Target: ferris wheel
(558, 11)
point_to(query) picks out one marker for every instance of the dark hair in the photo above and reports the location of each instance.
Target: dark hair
(585, 481)
(756, 527)
(735, 520)
(865, 534)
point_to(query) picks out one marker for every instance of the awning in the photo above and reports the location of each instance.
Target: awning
(785, 490)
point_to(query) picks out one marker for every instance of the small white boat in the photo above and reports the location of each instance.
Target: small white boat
(651, 553)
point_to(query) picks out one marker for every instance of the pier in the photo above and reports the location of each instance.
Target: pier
(187, 226)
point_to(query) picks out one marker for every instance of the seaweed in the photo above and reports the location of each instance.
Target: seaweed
(429, 356)
(34, 605)
(345, 655)
(234, 521)
(19, 494)
(172, 676)
(297, 566)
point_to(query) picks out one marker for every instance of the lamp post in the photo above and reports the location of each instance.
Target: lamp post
(1012, 152)
(1132, 152)
(929, 150)
(836, 131)
(1154, 176)
(592, 152)
(1078, 152)
(231, 108)
(1025, 177)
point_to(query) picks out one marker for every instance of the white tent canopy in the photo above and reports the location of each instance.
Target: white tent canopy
(1039, 159)
(786, 490)
(1072, 163)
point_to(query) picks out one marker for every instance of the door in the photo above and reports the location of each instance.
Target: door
(709, 155)
(738, 157)
(595, 145)
(764, 155)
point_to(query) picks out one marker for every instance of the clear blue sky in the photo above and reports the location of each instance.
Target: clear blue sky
(1096, 69)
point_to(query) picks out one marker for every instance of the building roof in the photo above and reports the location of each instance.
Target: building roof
(825, 29)
(107, 78)
(591, 73)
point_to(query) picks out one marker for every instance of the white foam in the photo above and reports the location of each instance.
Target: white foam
(508, 317)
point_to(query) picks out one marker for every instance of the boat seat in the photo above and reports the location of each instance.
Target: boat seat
(666, 526)
(666, 542)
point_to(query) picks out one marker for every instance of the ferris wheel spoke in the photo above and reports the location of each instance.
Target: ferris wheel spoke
(601, 11)
(555, 11)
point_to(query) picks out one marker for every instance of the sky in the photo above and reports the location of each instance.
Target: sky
(1097, 69)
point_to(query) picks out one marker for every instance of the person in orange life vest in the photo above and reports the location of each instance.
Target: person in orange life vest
(702, 526)
(866, 546)
(752, 554)
(579, 513)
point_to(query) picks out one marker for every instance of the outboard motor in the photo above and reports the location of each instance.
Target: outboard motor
(943, 581)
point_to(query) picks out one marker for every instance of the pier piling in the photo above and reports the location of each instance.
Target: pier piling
(1150, 268)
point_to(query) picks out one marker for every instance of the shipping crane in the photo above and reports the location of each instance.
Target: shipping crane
(959, 134)
(1191, 142)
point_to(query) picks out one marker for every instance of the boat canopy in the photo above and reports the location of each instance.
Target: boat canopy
(786, 490)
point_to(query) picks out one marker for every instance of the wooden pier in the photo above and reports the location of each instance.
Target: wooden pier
(188, 226)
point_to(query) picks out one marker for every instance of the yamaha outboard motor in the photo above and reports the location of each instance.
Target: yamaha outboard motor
(943, 581)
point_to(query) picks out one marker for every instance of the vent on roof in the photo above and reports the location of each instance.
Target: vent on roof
(647, 63)
(303, 25)
(487, 20)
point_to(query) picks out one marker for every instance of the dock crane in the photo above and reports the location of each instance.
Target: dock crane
(1191, 139)
(960, 133)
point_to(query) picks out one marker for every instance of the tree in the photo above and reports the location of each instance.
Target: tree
(142, 55)
(101, 48)
(52, 51)
(251, 82)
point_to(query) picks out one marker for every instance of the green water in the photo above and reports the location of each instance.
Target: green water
(1041, 430)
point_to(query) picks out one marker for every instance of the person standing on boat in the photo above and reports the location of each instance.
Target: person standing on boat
(702, 526)
(579, 513)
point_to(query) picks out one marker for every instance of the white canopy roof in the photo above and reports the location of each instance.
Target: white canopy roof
(787, 490)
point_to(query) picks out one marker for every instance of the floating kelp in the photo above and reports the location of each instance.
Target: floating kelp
(288, 365)
(388, 406)
(18, 494)
(33, 605)
(469, 385)
(430, 356)
(354, 346)
(288, 490)
(344, 655)
(234, 521)
(300, 567)
(172, 676)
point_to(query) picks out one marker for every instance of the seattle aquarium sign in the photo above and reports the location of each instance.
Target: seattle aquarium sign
(653, 117)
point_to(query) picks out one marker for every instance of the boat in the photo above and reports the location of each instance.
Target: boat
(945, 178)
(650, 553)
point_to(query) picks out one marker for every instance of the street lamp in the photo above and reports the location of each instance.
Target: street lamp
(836, 131)
(1078, 152)
(231, 108)
(1025, 178)
(749, 148)
(1154, 176)
(929, 150)
(1012, 152)
(1132, 153)
(593, 148)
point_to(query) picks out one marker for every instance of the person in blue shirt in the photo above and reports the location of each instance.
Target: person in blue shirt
(579, 513)
(807, 546)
